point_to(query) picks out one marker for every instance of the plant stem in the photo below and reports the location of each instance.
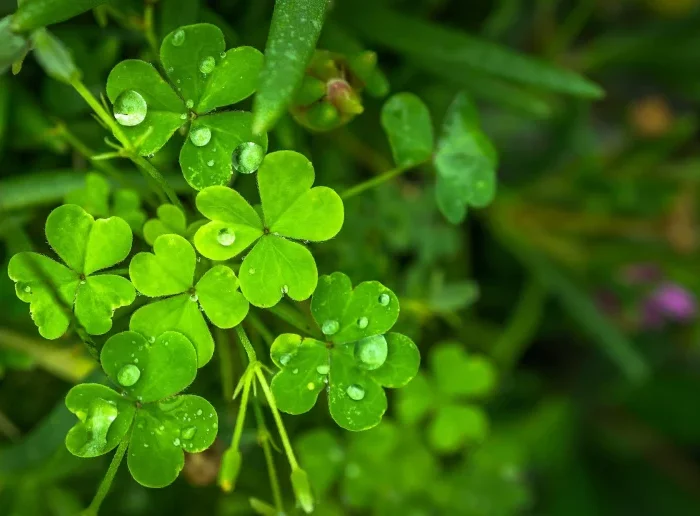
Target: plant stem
(249, 350)
(278, 419)
(240, 418)
(371, 183)
(100, 111)
(289, 315)
(155, 174)
(260, 327)
(106, 483)
(148, 31)
(264, 439)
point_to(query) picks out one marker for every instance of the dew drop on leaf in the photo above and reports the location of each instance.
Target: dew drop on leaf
(362, 322)
(178, 38)
(384, 300)
(183, 116)
(128, 375)
(311, 386)
(194, 299)
(207, 64)
(200, 136)
(151, 339)
(188, 433)
(251, 271)
(323, 369)
(284, 359)
(247, 157)
(189, 103)
(28, 289)
(356, 392)
(130, 108)
(210, 163)
(222, 55)
(176, 442)
(295, 371)
(330, 327)
(371, 351)
(226, 237)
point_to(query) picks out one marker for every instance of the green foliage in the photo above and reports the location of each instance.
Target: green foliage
(53, 290)
(406, 120)
(294, 30)
(292, 210)
(197, 66)
(357, 360)
(32, 14)
(456, 377)
(170, 271)
(159, 424)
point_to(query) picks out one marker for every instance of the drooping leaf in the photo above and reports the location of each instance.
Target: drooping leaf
(407, 123)
(294, 30)
(14, 45)
(39, 13)
(54, 57)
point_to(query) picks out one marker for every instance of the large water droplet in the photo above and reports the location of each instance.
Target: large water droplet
(207, 64)
(323, 369)
(100, 416)
(362, 322)
(356, 392)
(130, 108)
(330, 327)
(247, 157)
(384, 299)
(128, 375)
(188, 433)
(371, 351)
(178, 38)
(200, 136)
(225, 237)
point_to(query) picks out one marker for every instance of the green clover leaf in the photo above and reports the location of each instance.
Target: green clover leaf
(170, 271)
(54, 290)
(171, 220)
(465, 161)
(457, 380)
(291, 210)
(162, 424)
(358, 360)
(406, 121)
(94, 199)
(202, 77)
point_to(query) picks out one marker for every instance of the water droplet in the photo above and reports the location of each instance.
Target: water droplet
(176, 442)
(295, 371)
(194, 299)
(151, 339)
(285, 289)
(200, 136)
(311, 386)
(128, 375)
(199, 412)
(207, 64)
(210, 163)
(189, 103)
(284, 359)
(330, 327)
(323, 369)
(362, 322)
(82, 282)
(171, 69)
(356, 392)
(188, 433)
(178, 38)
(384, 299)
(28, 289)
(371, 351)
(130, 108)
(247, 157)
(222, 55)
(226, 237)
(251, 271)
(183, 116)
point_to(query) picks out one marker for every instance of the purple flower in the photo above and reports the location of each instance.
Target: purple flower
(668, 301)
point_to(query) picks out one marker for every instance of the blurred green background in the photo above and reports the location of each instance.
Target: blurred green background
(578, 283)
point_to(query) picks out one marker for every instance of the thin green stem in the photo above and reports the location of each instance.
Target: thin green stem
(240, 418)
(292, 316)
(100, 111)
(245, 341)
(278, 419)
(264, 439)
(148, 30)
(522, 325)
(260, 327)
(157, 177)
(106, 483)
(371, 183)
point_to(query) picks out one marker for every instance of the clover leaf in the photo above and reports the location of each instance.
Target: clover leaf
(170, 271)
(171, 220)
(457, 380)
(291, 210)
(201, 77)
(54, 290)
(94, 199)
(357, 360)
(160, 426)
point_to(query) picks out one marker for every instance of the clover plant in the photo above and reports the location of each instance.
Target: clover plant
(458, 379)
(356, 360)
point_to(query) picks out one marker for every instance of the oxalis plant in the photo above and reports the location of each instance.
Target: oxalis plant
(174, 272)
